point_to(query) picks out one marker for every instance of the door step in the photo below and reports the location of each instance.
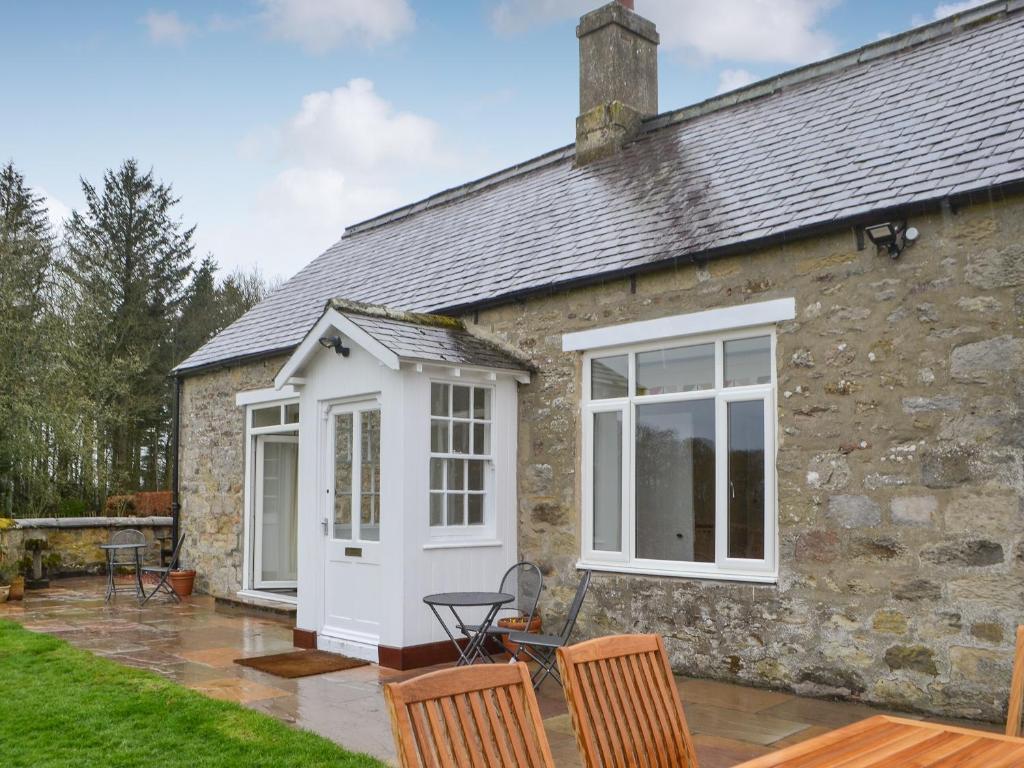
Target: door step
(254, 606)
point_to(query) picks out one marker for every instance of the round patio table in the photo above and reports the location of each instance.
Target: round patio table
(111, 550)
(452, 600)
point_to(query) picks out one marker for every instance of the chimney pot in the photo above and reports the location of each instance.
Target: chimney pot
(618, 78)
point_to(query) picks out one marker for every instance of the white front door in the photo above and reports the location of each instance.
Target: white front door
(351, 524)
(276, 511)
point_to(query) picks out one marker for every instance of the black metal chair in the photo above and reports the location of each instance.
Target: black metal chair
(525, 581)
(541, 648)
(163, 571)
(125, 558)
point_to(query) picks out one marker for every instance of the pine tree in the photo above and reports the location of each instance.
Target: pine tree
(128, 260)
(28, 341)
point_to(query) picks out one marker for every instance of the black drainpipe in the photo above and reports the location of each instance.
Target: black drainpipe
(175, 500)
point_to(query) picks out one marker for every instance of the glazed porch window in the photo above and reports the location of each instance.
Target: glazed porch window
(679, 462)
(460, 455)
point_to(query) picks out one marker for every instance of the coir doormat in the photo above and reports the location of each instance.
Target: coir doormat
(301, 663)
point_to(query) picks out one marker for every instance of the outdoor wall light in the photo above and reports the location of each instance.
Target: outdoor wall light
(336, 343)
(893, 236)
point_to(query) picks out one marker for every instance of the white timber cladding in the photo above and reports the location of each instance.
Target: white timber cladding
(611, 487)
(411, 560)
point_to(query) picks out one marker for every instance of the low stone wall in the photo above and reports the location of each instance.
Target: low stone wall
(77, 539)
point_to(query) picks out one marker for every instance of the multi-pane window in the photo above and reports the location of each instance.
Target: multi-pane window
(460, 454)
(286, 415)
(679, 462)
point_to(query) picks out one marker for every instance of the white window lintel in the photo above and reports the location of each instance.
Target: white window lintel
(266, 396)
(676, 326)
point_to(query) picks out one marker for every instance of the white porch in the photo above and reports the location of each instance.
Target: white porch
(405, 485)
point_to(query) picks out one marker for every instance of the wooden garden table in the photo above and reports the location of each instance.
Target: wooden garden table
(893, 742)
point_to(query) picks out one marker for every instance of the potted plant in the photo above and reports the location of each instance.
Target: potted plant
(182, 580)
(18, 580)
(517, 624)
(5, 584)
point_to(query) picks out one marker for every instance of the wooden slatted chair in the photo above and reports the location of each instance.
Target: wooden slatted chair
(479, 716)
(624, 703)
(1013, 725)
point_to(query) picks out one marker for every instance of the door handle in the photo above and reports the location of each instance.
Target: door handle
(323, 524)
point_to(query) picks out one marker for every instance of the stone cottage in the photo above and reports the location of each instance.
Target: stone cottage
(755, 362)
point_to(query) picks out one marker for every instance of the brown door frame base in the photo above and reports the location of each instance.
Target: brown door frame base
(416, 656)
(410, 657)
(304, 638)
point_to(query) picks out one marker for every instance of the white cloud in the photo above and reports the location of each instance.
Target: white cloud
(56, 210)
(353, 128)
(319, 25)
(166, 28)
(786, 31)
(297, 215)
(731, 79)
(950, 9)
(344, 156)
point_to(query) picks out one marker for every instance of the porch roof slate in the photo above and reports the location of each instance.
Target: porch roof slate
(933, 113)
(430, 338)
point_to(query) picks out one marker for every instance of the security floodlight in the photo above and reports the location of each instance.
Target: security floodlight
(336, 343)
(891, 235)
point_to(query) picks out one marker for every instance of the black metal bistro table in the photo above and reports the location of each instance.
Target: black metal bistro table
(111, 550)
(452, 600)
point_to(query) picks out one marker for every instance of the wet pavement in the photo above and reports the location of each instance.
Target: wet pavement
(195, 645)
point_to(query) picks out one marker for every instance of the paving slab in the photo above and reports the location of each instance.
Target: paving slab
(195, 645)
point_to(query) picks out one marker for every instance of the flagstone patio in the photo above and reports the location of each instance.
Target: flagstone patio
(195, 644)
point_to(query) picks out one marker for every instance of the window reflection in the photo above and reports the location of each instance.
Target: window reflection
(746, 479)
(675, 481)
(748, 361)
(609, 377)
(607, 488)
(680, 369)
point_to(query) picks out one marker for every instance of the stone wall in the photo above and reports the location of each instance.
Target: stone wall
(76, 540)
(900, 467)
(212, 472)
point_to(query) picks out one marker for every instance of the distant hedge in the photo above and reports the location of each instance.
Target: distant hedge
(142, 504)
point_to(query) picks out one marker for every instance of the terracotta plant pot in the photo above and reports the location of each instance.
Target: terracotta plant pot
(182, 582)
(17, 588)
(517, 624)
(4, 592)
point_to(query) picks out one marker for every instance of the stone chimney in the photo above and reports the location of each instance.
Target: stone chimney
(618, 78)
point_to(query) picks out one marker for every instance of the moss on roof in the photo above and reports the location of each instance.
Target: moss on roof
(345, 306)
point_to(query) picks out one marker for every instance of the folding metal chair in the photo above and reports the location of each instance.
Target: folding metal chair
(164, 571)
(542, 648)
(125, 558)
(525, 581)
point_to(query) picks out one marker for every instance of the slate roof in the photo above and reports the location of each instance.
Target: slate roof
(416, 336)
(933, 113)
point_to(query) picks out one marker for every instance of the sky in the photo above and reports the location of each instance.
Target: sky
(280, 122)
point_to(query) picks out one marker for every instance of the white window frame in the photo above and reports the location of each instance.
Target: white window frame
(487, 531)
(724, 568)
(249, 402)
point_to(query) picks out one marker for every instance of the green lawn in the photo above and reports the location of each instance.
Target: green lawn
(60, 706)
